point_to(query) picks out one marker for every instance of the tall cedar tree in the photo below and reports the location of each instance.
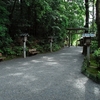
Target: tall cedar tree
(98, 20)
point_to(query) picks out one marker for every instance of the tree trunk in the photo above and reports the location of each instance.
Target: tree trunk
(13, 8)
(86, 25)
(21, 9)
(87, 15)
(98, 20)
(35, 21)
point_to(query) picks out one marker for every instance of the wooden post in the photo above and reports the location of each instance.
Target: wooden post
(24, 49)
(69, 39)
(51, 44)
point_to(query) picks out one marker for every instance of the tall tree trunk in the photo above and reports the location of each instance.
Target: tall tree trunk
(86, 25)
(21, 8)
(11, 17)
(13, 8)
(35, 21)
(98, 20)
(87, 15)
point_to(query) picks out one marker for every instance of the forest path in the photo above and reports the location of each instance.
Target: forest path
(50, 76)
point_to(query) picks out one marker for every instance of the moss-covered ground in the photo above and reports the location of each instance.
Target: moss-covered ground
(91, 69)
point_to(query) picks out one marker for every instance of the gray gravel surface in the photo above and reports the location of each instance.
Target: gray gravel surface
(50, 76)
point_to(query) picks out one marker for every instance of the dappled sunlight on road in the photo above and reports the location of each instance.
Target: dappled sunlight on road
(96, 91)
(47, 58)
(26, 79)
(36, 61)
(15, 74)
(51, 63)
(52, 76)
(80, 83)
(26, 63)
(67, 54)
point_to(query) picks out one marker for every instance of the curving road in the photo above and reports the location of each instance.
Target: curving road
(50, 76)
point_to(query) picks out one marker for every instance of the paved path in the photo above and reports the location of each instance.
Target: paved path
(50, 76)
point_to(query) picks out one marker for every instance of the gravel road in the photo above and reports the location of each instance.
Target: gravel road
(50, 76)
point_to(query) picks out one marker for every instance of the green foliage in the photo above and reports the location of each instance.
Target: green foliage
(84, 66)
(90, 71)
(1, 51)
(76, 14)
(46, 47)
(28, 2)
(96, 53)
(75, 37)
(98, 75)
(40, 19)
(9, 51)
(93, 63)
(93, 71)
(96, 56)
(39, 48)
(94, 45)
(56, 47)
(5, 39)
(18, 50)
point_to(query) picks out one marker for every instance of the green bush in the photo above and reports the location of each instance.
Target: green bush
(5, 39)
(99, 74)
(56, 47)
(94, 45)
(9, 51)
(18, 50)
(39, 48)
(1, 51)
(96, 53)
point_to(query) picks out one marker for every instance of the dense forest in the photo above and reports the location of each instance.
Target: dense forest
(42, 19)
